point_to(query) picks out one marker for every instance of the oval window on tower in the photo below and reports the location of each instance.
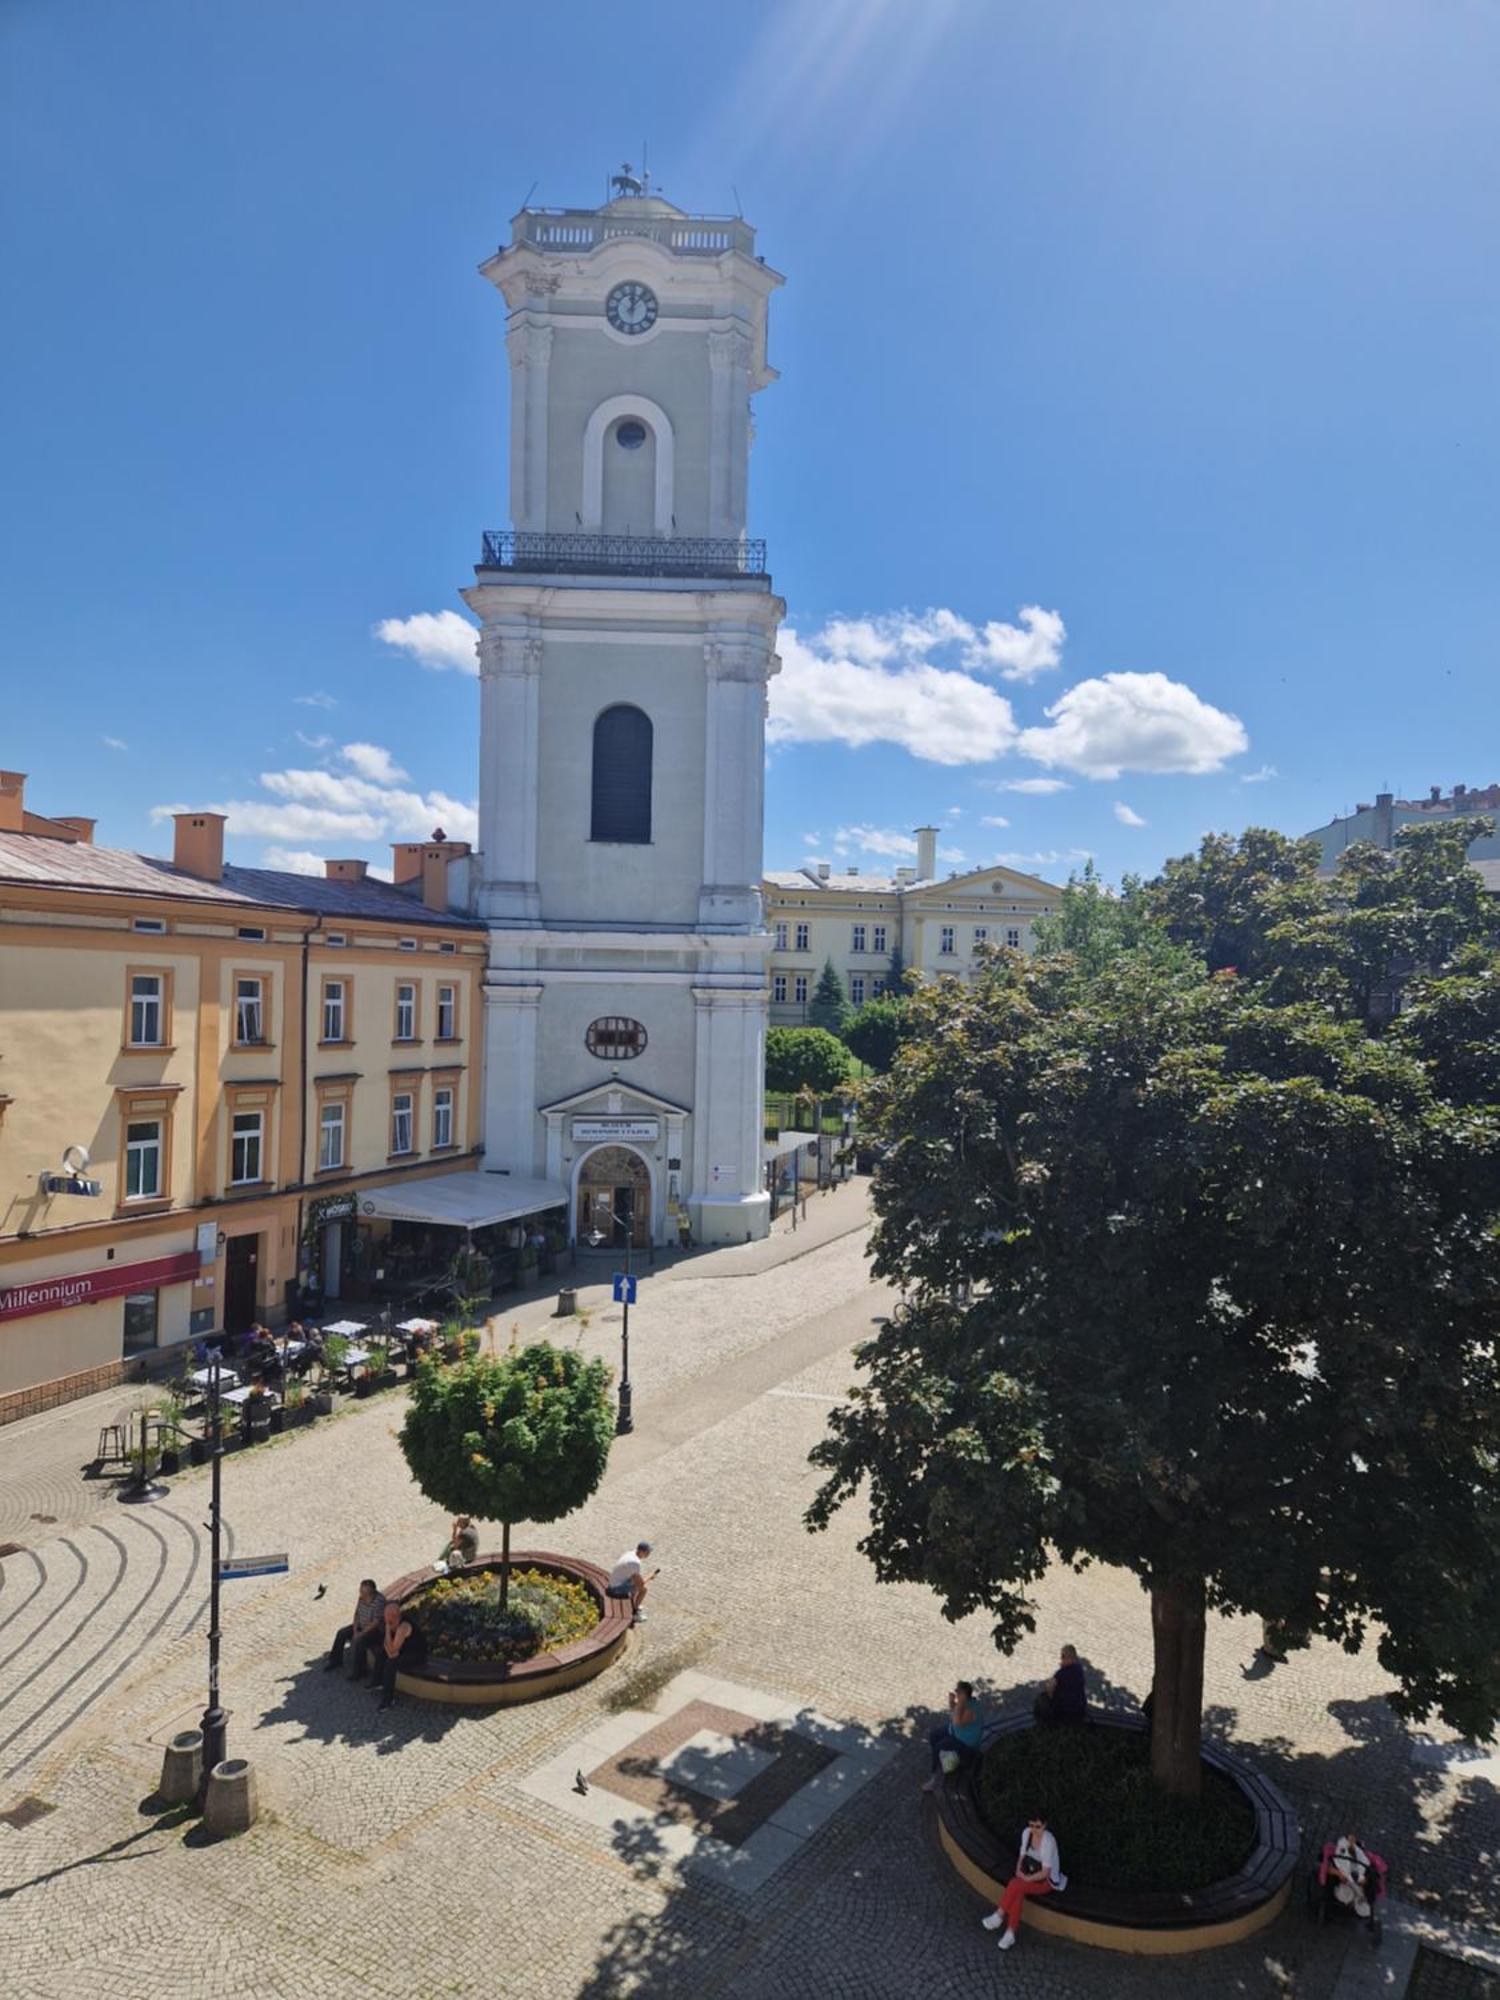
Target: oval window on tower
(630, 433)
(614, 1038)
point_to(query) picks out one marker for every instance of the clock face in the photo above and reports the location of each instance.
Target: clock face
(631, 308)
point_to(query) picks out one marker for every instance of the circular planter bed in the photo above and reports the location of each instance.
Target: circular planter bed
(1248, 1828)
(486, 1682)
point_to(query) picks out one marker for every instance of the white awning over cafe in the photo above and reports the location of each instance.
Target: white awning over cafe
(463, 1201)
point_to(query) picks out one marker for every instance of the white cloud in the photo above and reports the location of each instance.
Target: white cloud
(344, 806)
(1046, 857)
(1259, 777)
(293, 860)
(865, 682)
(955, 812)
(113, 743)
(1035, 788)
(1019, 652)
(1126, 816)
(994, 819)
(886, 841)
(1134, 722)
(313, 742)
(372, 762)
(441, 641)
(812, 839)
(318, 700)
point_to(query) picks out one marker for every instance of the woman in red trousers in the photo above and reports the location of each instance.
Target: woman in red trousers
(1038, 1873)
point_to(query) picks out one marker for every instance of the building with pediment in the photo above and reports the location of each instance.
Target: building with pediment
(868, 925)
(627, 636)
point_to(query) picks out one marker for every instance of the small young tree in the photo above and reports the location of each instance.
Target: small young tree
(829, 1007)
(806, 1058)
(520, 1436)
(877, 1028)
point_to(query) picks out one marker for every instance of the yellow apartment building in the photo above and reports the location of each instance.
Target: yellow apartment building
(205, 1073)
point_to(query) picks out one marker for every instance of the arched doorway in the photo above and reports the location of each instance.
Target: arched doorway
(614, 1197)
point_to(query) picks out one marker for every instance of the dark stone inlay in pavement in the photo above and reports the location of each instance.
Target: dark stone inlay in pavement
(635, 1773)
(27, 1810)
(1436, 1976)
(10, 1549)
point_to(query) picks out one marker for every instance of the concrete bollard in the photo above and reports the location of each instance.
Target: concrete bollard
(231, 1804)
(567, 1302)
(181, 1767)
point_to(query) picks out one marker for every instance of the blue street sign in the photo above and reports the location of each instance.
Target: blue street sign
(236, 1566)
(624, 1289)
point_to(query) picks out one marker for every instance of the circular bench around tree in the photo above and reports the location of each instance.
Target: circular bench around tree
(486, 1683)
(1160, 1921)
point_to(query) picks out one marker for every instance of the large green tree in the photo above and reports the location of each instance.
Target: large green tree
(806, 1059)
(876, 1030)
(829, 1007)
(519, 1436)
(1204, 1286)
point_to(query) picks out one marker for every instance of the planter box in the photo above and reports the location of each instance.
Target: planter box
(322, 1403)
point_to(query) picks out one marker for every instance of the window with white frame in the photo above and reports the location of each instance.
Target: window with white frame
(401, 1109)
(332, 1121)
(778, 988)
(1013, 939)
(859, 938)
(781, 937)
(856, 989)
(246, 1147)
(147, 1009)
(143, 1159)
(799, 989)
(981, 935)
(877, 989)
(406, 1013)
(946, 941)
(802, 935)
(334, 1016)
(877, 942)
(250, 1010)
(447, 1013)
(442, 1117)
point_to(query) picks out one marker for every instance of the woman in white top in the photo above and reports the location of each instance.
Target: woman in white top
(1038, 1873)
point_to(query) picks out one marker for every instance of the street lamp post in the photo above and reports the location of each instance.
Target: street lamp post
(215, 1722)
(624, 1417)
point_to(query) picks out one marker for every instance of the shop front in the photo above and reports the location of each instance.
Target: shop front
(414, 1230)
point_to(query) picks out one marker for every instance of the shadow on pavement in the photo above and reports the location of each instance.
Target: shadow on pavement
(330, 1708)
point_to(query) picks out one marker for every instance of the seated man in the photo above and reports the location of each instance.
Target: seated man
(628, 1579)
(1064, 1698)
(463, 1544)
(403, 1646)
(363, 1628)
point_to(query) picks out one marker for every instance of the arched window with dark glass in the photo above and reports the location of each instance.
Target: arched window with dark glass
(622, 776)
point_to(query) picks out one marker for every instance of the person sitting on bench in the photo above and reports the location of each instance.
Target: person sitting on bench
(362, 1630)
(1064, 1698)
(403, 1647)
(628, 1579)
(960, 1736)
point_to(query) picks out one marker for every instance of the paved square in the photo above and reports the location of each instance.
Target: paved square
(715, 1764)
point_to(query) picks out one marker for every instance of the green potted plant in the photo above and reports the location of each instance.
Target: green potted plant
(335, 1355)
(378, 1364)
(296, 1408)
(169, 1432)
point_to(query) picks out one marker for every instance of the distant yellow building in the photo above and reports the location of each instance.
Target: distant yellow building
(868, 924)
(204, 1072)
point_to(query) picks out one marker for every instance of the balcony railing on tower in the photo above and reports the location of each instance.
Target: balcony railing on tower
(573, 229)
(625, 555)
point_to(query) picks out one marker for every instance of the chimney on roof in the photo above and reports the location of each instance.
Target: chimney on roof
(906, 874)
(198, 845)
(1458, 792)
(12, 801)
(81, 829)
(427, 862)
(345, 871)
(824, 871)
(1434, 793)
(926, 853)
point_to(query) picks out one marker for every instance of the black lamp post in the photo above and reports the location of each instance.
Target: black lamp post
(624, 1419)
(215, 1723)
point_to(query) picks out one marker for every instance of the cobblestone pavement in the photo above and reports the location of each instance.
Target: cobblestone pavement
(402, 1854)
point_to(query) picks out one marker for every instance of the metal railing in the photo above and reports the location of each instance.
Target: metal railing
(573, 229)
(630, 555)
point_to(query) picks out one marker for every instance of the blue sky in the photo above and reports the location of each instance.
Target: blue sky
(1137, 434)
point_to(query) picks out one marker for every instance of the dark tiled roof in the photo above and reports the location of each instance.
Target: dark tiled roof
(65, 864)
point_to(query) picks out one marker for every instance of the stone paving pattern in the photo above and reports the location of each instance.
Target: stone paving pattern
(400, 1854)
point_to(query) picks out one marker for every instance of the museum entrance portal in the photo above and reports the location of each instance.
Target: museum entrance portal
(614, 1199)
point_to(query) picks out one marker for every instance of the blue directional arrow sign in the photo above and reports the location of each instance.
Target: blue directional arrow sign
(624, 1289)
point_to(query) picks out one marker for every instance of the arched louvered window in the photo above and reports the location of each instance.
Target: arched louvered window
(622, 776)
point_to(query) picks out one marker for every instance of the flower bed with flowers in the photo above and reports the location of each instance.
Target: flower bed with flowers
(463, 1620)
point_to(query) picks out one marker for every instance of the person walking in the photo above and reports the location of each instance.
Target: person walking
(1038, 1873)
(369, 1608)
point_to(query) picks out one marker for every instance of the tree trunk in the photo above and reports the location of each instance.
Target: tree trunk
(1177, 1632)
(505, 1568)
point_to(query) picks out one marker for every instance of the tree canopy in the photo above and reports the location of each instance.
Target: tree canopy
(806, 1058)
(519, 1436)
(876, 1030)
(829, 1007)
(1203, 1281)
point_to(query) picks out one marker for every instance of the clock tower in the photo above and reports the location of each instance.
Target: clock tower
(627, 636)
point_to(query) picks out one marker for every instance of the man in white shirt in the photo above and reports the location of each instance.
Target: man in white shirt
(628, 1579)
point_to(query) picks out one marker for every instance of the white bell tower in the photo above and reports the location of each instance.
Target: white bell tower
(627, 637)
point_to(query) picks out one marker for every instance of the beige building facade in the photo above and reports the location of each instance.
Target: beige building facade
(203, 1071)
(871, 925)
